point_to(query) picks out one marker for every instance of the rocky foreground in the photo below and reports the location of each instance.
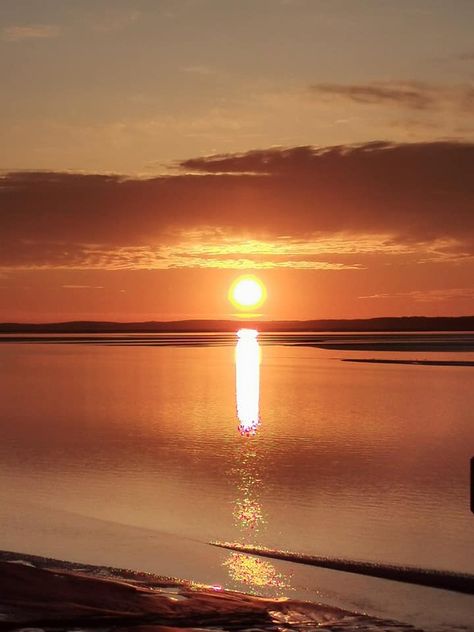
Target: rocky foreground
(43, 594)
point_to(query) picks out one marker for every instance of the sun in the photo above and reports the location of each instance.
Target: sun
(247, 292)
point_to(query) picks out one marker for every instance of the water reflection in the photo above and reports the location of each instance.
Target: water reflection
(247, 380)
(253, 571)
(248, 514)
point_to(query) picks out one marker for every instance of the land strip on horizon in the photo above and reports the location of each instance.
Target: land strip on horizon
(390, 324)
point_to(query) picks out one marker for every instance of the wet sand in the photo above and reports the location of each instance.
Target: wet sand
(49, 594)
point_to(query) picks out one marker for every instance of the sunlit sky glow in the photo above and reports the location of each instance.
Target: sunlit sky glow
(152, 150)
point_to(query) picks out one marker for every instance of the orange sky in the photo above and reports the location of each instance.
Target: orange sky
(153, 151)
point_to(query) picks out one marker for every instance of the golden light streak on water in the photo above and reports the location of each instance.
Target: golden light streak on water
(248, 513)
(254, 572)
(247, 376)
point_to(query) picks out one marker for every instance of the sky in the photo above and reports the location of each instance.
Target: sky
(153, 150)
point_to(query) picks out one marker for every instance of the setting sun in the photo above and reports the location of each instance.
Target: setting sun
(247, 292)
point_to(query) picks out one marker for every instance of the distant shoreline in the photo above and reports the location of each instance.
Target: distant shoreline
(401, 342)
(413, 362)
(384, 324)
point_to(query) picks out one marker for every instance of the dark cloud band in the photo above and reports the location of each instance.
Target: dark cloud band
(411, 193)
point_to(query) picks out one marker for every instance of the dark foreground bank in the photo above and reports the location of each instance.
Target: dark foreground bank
(47, 594)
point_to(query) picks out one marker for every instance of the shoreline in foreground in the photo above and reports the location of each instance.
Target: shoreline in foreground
(38, 592)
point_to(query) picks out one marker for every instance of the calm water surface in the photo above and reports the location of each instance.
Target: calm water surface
(134, 456)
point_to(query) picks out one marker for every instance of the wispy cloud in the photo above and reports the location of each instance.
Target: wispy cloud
(196, 69)
(407, 94)
(467, 56)
(82, 287)
(414, 95)
(428, 296)
(207, 250)
(183, 255)
(115, 20)
(30, 32)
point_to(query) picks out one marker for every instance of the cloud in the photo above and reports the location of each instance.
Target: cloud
(29, 32)
(198, 70)
(413, 95)
(82, 287)
(302, 207)
(467, 56)
(407, 94)
(115, 19)
(428, 296)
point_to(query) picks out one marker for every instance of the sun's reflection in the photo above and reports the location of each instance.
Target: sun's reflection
(253, 571)
(247, 377)
(248, 514)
